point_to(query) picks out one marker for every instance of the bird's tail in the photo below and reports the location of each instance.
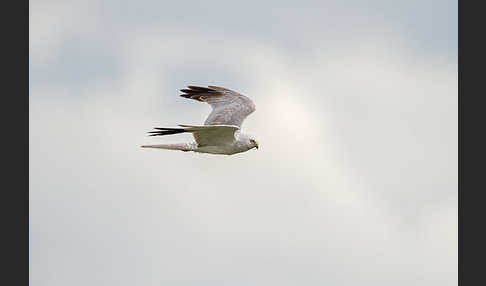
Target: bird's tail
(178, 146)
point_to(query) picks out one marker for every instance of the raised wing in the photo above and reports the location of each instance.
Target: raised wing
(208, 135)
(229, 107)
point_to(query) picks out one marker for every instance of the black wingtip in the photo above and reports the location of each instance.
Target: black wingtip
(195, 87)
(166, 131)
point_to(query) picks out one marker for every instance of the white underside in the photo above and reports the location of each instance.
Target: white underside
(215, 139)
(222, 150)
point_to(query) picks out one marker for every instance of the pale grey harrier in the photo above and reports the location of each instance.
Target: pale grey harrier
(220, 133)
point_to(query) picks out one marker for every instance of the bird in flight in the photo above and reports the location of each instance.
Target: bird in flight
(221, 132)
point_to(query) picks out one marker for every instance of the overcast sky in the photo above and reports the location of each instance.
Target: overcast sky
(355, 181)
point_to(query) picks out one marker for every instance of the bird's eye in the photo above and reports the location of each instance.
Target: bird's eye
(252, 141)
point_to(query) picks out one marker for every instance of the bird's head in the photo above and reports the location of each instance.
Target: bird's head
(253, 143)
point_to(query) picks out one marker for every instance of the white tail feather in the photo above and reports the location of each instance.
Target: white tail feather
(178, 146)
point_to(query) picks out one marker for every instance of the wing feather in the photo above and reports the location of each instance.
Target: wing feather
(229, 107)
(212, 135)
(206, 135)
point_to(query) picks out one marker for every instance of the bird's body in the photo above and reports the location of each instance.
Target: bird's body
(221, 133)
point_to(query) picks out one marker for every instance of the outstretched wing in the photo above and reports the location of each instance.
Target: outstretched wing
(208, 135)
(229, 107)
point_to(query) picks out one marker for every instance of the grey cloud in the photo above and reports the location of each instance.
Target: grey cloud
(362, 191)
